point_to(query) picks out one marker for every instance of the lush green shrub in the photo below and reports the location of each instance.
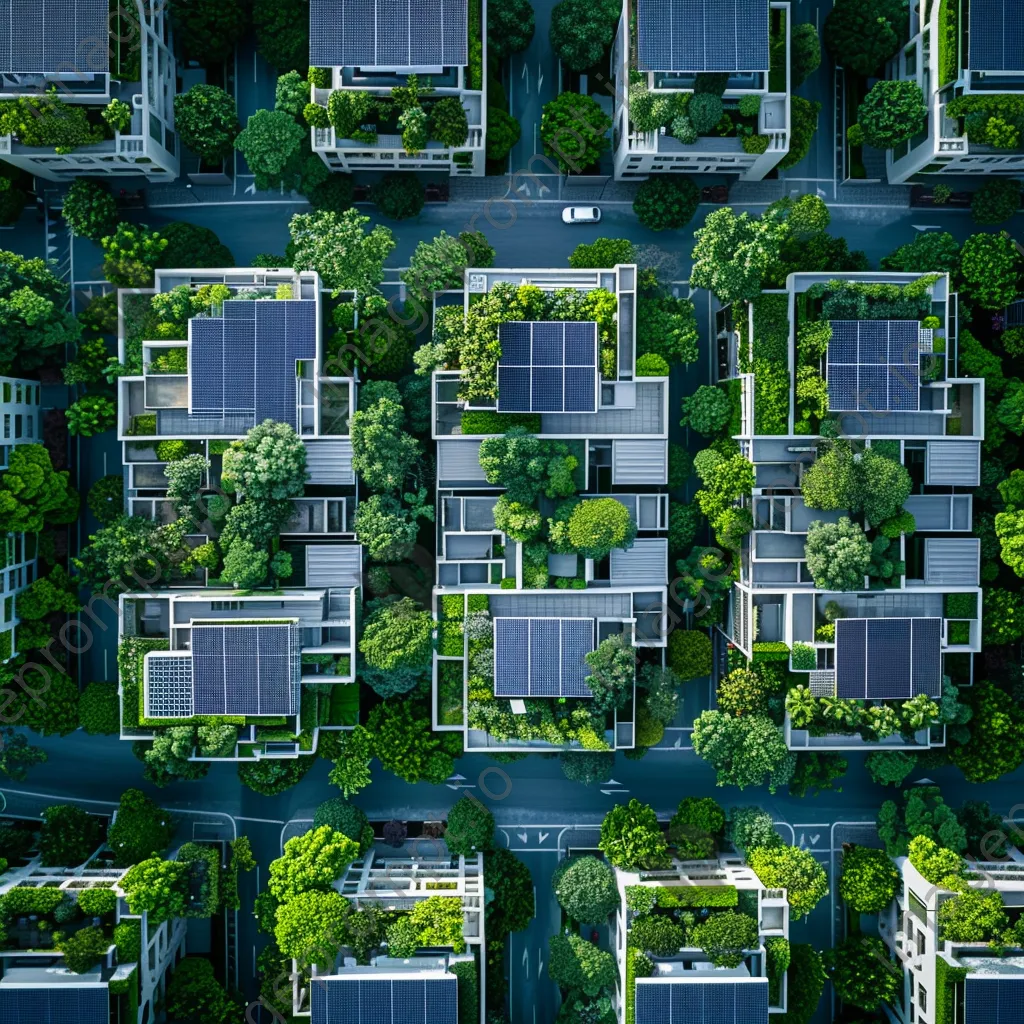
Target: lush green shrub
(574, 128)
(207, 120)
(863, 973)
(651, 365)
(399, 196)
(68, 835)
(792, 869)
(89, 209)
(666, 201)
(484, 421)
(83, 949)
(97, 902)
(891, 113)
(997, 200)
(469, 828)
(706, 410)
(988, 270)
(658, 935)
(804, 658)
(587, 766)
(769, 650)
(689, 653)
(869, 879)
(585, 888)
(723, 937)
(863, 36)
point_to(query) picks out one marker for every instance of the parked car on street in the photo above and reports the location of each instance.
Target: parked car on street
(581, 215)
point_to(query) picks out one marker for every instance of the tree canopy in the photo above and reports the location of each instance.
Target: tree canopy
(744, 751)
(338, 247)
(733, 253)
(632, 838)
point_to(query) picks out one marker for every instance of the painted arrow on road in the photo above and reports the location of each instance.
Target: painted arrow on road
(814, 839)
(608, 792)
(540, 962)
(457, 786)
(456, 778)
(526, 963)
(612, 782)
(925, 227)
(251, 189)
(542, 836)
(522, 836)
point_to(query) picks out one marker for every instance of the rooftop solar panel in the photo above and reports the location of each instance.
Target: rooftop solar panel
(51, 36)
(245, 360)
(542, 657)
(996, 36)
(547, 366)
(702, 35)
(388, 33)
(59, 1004)
(873, 366)
(243, 670)
(993, 1000)
(888, 659)
(699, 1001)
(368, 1000)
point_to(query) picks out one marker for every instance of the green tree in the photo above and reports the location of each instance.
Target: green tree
(997, 200)
(666, 202)
(511, 909)
(208, 29)
(268, 463)
(399, 195)
(585, 888)
(631, 837)
(890, 767)
(99, 709)
(68, 836)
(291, 93)
(131, 253)
(55, 592)
(733, 253)
(310, 927)
(396, 645)
(602, 253)
(313, 861)
(891, 113)
(89, 209)
(442, 262)
(206, 118)
(270, 143)
(469, 828)
(581, 32)
(510, 27)
(924, 813)
(17, 755)
(743, 751)
(192, 245)
(83, 950)
(707, 410)
(351, 771)
(869, 880)
(792, 869)
(587, 766)
(695, 828)
(573, 128)
(338, 247)
(244, 565)
(90, 415)
(33, 311)
(838, 554)
(386, 529)
(723, 937)
(159, 887)
(577, 965)
(689, 653)
(194, 996)
(667, 326)
(140, 829)
(597, 525)
(346, 818)
(404, 744)
(996, 745)
(52, 707)
(863, 973)
(1010, 531)
(448, 122)
(271, 777)
(863, 36)
(612, 672)
(503, 132)
(937, 864)
(803, 122)
(975, 915)
(750, 828)
(930, 251)
(804, 52)
(988, 270)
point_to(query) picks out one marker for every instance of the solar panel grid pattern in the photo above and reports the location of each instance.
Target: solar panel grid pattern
(244, 361)
(169, 687)
(242, 670)
(702, 35)
(990, 1000)
(873, 366)
(45, 36)
(388, 33)
(693, 1002)
(61, 1004)
(384, 1001)
(888, 659)
(547, 366)
(542, 657)
(996, 39)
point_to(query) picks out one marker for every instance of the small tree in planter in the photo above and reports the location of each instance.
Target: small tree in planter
(395, 833)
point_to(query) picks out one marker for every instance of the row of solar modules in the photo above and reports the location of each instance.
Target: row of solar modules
(715, 1001)
(547, 389)
(995, 40)
(872, 389)
(542, 657)
(384, 1001)
(548, 343)
(48, 36)
(993, 1000)
(60, 1004)
(242, 670)
(892, 342)
(888, 659)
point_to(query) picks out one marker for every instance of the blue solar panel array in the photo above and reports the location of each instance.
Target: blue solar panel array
(547, 366)
(244, 361)
(888, 659)
(701, 1002)
(996, 37)
(702, 35)
(47, 36)
(242, 670)
(388, 33)
(384, 1001)
(992, 1000)
(59, 1004)
(542, 657)
(873, 366)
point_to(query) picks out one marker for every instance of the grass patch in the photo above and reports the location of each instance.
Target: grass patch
(449, 692)
(949, 33)
(344, 706)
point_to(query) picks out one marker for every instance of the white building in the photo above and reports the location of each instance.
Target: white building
(401, 988)
(925, 414)
(969, 74)
(658, 50)
(944, 980)
(687, 985)
(376, 47)
(36, 986)
(589, 399)
(85, 57)
(22, 424)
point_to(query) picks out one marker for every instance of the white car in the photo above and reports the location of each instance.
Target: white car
(581, 215)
